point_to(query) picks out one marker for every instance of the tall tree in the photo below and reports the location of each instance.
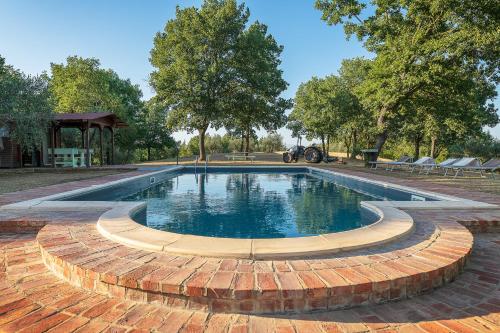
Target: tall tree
(419, 45)
(258, 85)
(153, 133)
(441, 117)
(193, 59)
(25, 110)
(271, 143)
(357, 120)
(324, 106)
(81, 86)
(296, 127)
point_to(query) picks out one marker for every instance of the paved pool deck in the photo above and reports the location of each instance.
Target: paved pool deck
(58, 273)
(34, 300)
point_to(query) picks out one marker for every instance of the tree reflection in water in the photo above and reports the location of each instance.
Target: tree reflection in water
(251, 205)
(321, 206)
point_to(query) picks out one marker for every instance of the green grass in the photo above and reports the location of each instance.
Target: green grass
(19, 180)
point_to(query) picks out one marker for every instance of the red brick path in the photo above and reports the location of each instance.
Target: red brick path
(434, 254)
(33, 300)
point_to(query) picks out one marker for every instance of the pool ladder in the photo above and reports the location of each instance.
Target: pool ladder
(196, 164)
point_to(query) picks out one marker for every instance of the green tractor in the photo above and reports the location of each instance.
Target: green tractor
(312, 154)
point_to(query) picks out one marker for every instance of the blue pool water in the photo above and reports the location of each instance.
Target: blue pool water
(243, 202)
(252, 205)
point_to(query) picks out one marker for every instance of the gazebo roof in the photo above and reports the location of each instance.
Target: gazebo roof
(96, 118)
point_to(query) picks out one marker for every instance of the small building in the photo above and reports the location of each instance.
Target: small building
(10, 152)
(52, 153)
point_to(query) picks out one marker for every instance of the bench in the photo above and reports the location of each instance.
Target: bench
(240, 157)
(69, 157)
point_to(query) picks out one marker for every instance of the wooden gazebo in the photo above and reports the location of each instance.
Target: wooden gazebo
(84, 122)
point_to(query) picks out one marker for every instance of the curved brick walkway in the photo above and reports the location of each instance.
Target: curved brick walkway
(33, 300)
(433, 255)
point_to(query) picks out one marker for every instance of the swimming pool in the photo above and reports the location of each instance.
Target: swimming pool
(250, 202)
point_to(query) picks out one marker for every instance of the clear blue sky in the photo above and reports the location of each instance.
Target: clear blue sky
(120, 33)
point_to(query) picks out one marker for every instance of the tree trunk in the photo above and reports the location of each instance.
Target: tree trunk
(327, 145)
(242, 140)
(347, 144)
(382, 136)
(247, 142)
(380, 141)
(354, 144)
(201, 136)
(323, 144)
(149, 153)
(418, 140)
(433, 147)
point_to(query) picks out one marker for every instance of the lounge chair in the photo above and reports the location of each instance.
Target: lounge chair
(403, 160)
(422, 163)
(461, 165)
(441, 165)
(492, 166)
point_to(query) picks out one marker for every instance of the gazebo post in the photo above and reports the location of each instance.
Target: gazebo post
(82, 132)
(52, 143)
(87, 137)
(100, 145)
(58, 137)
(112, 145)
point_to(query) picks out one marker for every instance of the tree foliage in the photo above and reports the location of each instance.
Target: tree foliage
(193, 59)
(271, 143)
(81, 85)
(153, 135)
(327, 109)
(25, 110)
(424, 50)
(258, 85)
(213, 71)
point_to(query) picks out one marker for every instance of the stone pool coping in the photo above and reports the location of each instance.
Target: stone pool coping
(116, 224)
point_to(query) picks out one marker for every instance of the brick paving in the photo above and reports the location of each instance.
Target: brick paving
(34, 300)
(434, 254)
(105, 293)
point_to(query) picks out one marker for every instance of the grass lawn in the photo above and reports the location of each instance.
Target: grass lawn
(18, 180)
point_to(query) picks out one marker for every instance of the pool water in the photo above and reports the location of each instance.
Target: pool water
(252, 205)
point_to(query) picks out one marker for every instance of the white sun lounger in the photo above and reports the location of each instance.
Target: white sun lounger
(492, 166)
(461, 165)
(403, 160)
(442, 165)
(422, 163)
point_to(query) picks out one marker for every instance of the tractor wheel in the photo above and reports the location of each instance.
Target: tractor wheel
(287, 157)
(313, 155)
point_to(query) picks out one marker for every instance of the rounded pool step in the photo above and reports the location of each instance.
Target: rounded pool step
(432, 255)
